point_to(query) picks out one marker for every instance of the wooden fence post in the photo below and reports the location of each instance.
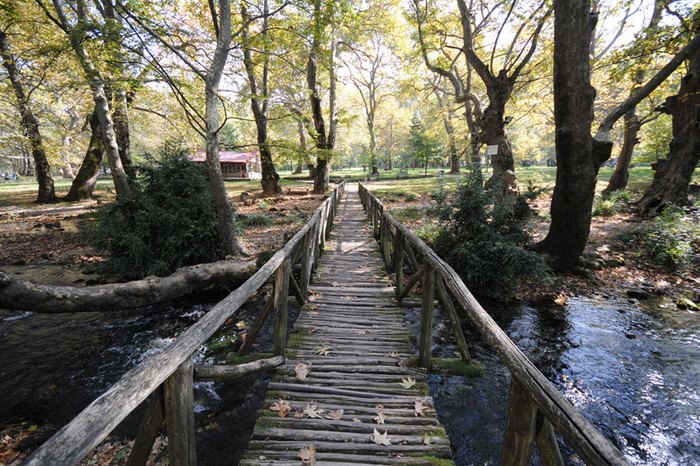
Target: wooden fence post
(280, 297)
(377, 218)
(148, 430)
(322, 224)
(306, 262)
(426, 324)
(546, 441)
(179, 415)
(398, 261)
(520, 427)
(448, 307)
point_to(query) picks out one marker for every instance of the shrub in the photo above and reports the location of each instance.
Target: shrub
(168, 223)
(482, 237)
(408, 213)
(612, 204)
(255, 220)
(670, 240)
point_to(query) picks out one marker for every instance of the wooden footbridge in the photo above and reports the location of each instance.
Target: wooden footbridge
(345, 390)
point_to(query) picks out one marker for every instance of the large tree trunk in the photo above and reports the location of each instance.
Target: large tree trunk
(573, 115)
(22, 295)
(84, 183)
(99, 94)
(492, 133)
(224, 210)
(447, 116)
(618, 180)
(672, 175)
(325, 141)
(30, 124)
(121, 128)
(259, 100)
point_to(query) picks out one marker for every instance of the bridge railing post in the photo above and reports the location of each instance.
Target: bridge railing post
(179, 415)
(280, 297)
(307, 256)
(398, 260)
(148, 430)
(426, 324)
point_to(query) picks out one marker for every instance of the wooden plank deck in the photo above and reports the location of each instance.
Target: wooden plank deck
(353, 316)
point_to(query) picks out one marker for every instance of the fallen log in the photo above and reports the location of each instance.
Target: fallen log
(22, 295)
(230, 372)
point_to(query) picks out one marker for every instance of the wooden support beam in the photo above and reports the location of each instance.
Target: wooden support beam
(306, 263)
(280, 298)
(255, 328)
(386, 245)
(411, 256)
(323, 224)
(179, 416)
(398, 253)
(235, 371)
(520, 427)
(546, 441)
(426, 323)
(410, 284)
(449, 308)
(296, 291)
(148, 430)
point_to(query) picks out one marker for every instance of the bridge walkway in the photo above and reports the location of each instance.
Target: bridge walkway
(359, 402)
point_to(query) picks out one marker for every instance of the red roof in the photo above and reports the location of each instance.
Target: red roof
(227, 156)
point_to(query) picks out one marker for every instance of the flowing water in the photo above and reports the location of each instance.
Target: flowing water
(634, 372)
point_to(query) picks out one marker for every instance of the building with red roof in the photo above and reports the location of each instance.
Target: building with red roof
(235, 165)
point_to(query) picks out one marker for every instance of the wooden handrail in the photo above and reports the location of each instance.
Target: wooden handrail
(579, 433)
(97, 420)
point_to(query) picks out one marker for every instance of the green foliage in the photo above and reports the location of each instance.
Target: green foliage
(254, 220)
(670, 240)
(482, 236)
(169, 222)
(615, 203)
(408, 213)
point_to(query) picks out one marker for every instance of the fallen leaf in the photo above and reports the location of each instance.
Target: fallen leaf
(393, 354)
(282, 407)
(427, 440)
(380, 439)
(298, 414)
(407, 383)
(356, 420)
(308, 454)
(301, 370)
(379, 418)
(419, 408)
(311, 330)
(335, 414)
(324, 349)
(312, 411)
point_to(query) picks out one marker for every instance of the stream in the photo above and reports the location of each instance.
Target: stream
(633, 370)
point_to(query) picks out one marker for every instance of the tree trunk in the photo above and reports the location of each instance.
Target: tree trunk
(121, 128)
(573, 115)
(302, 148)
(258, 101)
(672, 175)
(619, 178)
(447, 114)
(216, 180)
(30, 124)
(84, 183)
(492, 133)
(325, 141)
(22, 295)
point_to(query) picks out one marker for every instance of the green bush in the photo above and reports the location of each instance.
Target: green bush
(169, 222)
(670, 240)
(482, 237)
(254, 220)
(407, 213)
(615, 203)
